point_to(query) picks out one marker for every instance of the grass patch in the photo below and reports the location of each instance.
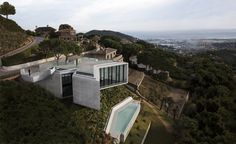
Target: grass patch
(153, 90)
(166, 117)
(157, 133)
(139, 128)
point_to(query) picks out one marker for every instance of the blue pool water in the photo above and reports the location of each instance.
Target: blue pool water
(123, 118)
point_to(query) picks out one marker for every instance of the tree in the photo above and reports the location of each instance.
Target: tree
(57, 48)
(44, 47)
(7, 9)
(78, 49)
(70, 47)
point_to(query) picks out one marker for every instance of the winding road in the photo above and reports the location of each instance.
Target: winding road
(34, 41)
(4, 73)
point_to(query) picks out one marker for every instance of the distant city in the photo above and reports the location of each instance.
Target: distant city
(189, 41)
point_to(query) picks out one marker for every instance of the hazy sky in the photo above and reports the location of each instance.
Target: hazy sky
(127, 15)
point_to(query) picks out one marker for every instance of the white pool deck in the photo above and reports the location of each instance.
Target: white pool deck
(122, 118)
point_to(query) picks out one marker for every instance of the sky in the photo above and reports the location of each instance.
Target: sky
(126, 15)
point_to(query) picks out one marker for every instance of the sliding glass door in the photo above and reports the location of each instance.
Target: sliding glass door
(67, 85)
(112, 75)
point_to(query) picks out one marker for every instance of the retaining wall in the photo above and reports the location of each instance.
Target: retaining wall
(145, 136)
(29, 64)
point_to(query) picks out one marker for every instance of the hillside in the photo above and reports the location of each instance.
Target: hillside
(110, 33)
(30, 114)
(227, 55)
(12, 35)
(9, 25)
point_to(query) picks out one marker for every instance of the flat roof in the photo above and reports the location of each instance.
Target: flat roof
(85, 64)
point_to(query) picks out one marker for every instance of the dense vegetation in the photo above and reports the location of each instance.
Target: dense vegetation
(58, 47)
(162, 60)
(29, 114)
(226, 55)
(209, 116)
(127, 49)
(147, 54)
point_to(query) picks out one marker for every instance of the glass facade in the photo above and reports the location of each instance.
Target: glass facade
(112, 75)
(67, 85)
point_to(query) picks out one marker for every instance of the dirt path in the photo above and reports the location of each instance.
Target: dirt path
(167, 126)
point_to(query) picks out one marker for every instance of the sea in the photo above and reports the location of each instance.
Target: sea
(185, 35)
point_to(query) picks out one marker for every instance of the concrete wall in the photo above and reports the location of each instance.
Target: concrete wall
(29, 64)
(145, 136)
(53, 84)
(86, 91)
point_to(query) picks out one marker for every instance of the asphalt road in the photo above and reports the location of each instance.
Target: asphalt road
(4, 73)
(36, 40)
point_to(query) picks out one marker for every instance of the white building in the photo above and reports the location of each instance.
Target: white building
(83, 81)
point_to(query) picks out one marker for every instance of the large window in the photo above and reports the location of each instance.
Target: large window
(112, 75)
(67, 85)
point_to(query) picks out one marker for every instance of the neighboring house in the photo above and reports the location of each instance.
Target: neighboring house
(104, 54)
(134, 61)
(44, 31)
(80, 36)
(67, 33)
(83, 81)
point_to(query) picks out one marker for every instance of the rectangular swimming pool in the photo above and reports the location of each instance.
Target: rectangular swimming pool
(123, 118)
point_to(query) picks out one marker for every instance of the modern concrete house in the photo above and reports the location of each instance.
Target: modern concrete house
(83, 81)
(93, 76)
